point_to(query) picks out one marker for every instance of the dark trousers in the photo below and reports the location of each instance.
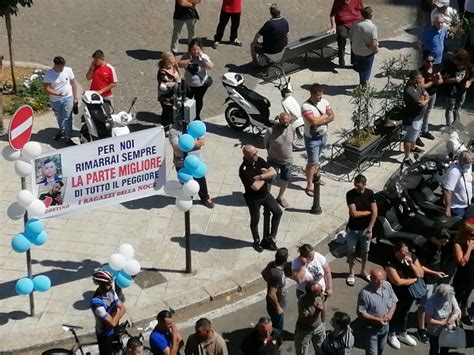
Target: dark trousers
(166, 116)
(461, 6)
(269, 203)
(197, 93)
(342, 33)
(223, 21)
(363, 65)
(278, 320)
(105, 345)
(462, 291)
(399, 320)
(434, 346)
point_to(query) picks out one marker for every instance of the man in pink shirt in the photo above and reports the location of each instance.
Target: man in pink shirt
(343, 14)
(231, 9)
(102, 75)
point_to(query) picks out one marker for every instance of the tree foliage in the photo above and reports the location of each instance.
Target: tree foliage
(11, 6)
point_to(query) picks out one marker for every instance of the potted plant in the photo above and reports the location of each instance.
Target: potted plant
(361, 140)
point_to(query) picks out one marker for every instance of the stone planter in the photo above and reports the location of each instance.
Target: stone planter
(359, 154)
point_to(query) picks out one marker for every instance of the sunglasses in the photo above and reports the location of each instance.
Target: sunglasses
(430, 60)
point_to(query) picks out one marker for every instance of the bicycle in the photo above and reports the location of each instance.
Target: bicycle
(90, 348)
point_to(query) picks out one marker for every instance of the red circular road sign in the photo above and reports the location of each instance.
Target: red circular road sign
(21, 125)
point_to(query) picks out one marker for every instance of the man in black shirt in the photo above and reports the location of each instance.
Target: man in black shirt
(432, 257)
(274, 33)
(362, 217)
(264, 340)
(253, 172)
(274, 275)
(416, 98)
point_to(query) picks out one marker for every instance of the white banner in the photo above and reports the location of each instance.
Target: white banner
(101, 173)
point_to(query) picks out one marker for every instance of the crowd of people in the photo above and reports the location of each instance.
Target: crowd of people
(384, 303)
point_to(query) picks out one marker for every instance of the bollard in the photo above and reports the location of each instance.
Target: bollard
(316, 208)
(266, 223)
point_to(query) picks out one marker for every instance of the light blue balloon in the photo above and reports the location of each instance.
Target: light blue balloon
(123, 280)
(38, 240)
(41, 283)
(186, 142)
(197, 129)
(191, 162)
(20, 243)
(33, 227)
(107, 267)
(200, 171)
(184, 175)
(24, 286)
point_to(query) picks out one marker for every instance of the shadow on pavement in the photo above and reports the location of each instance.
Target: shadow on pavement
(148, 203)
(146, 116)
(234, 339)
(58, 276)
(244, 137)
(85, 303)
(235, 199)
(46, 136)
(14, 315)
(204, 243)
(143, 54)
(395, 45)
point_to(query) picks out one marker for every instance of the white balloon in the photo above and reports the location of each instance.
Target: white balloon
(10, 154)
(127, 251)
(15, 211)
(22, 168)
(184, 204)
(173, 188)
(31, 151)
(25, 197)
(132, 267)
(37, 208)
(117, 261)
(191, 188)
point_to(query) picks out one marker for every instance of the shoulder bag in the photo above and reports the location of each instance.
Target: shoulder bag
(452, 338)
(418, 289)
(317, 131)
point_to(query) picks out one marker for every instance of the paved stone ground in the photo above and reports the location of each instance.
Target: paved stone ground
(222, 254)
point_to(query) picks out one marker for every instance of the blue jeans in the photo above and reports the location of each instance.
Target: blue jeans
(453, 108)
(429, 107)
(363, 65)
(278, 320)
(63, 111)
(314, 148)
(376, 339)
(458, 211)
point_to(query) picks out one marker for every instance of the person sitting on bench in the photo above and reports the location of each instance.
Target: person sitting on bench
(274, 33)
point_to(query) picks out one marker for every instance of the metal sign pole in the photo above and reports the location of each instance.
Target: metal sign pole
(28, 257)
(2, 127)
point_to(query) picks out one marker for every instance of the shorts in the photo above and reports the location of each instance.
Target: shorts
(283, 171)
(413, 131)
(314, 148)
(429, 292)
(357, 236)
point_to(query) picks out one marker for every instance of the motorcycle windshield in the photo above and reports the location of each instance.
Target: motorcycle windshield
(464, 129)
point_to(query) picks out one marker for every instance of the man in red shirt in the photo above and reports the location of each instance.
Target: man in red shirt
(231, 9)
(343, 14)
(102, 75)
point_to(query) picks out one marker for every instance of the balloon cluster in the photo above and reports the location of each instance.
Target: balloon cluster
(187, 187)
(123, 266)
(26, 201)
(33, 234)
(25, 286)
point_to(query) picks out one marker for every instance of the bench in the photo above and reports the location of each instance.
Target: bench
(285, 61)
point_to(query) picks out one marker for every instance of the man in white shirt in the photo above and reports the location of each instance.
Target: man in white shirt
(364, 44)
(449, 14)
(60, 84)
(457, 186)
(317, 114)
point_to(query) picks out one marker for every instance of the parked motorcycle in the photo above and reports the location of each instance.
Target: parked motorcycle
(247, 107)
(99, 122)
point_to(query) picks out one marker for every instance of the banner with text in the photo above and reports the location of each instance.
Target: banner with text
(101, 173)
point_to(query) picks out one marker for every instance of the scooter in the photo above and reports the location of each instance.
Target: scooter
(248, 108)
(99, 122)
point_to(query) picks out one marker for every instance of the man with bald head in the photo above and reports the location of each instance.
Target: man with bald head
(278, 141)
(375, 306)
(254, 173)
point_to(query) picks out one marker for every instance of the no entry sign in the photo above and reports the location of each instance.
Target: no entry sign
(21, 126)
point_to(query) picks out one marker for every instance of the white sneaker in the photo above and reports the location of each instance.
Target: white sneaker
(393, 342)
(406, 339)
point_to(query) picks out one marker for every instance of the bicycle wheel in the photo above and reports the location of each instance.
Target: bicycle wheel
(57, 351)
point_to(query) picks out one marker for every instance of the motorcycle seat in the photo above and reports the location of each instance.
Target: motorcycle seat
(259, 101)
(97, 112)
(390, 233)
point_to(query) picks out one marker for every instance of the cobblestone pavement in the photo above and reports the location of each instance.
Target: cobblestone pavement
(222, 254)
